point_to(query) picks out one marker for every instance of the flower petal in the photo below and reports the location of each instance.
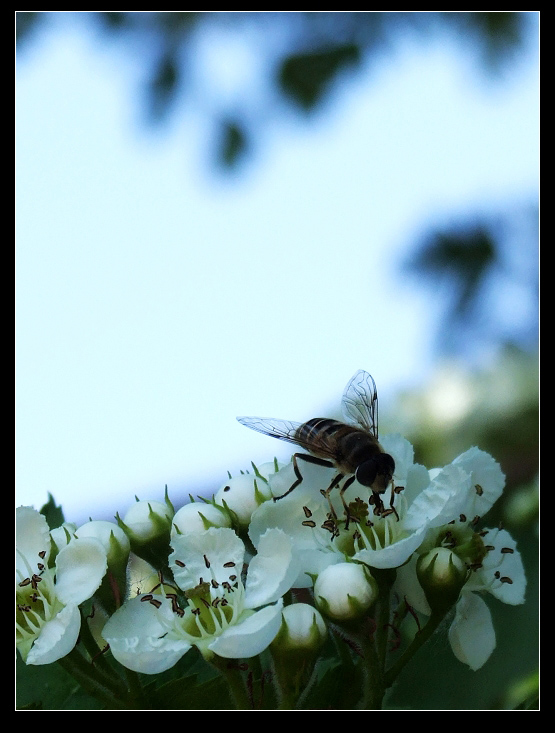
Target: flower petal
(472, 636)
(139, 639)
(402, 452)
(57, 637)
(207, 555)
(502, 572)
(250, 637)
(80, 567)
(392, 556)
(487, 480)
(443, 500)
(289, 514)
(32, 537)
(272, 571)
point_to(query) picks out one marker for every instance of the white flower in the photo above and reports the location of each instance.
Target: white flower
(501, 573)
(494, 564)
(221, 616)
(320, 540)
(470, 485)
(48, 616)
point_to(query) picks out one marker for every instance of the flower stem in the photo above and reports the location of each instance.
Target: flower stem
(98, 660)
(373, 685)
(87, 676)
(419, 640)
(385, 580)
(229, 668)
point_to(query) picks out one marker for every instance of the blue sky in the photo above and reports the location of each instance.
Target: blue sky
(157, 299)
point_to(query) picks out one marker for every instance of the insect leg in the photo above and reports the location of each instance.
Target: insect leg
(376, 500)
(392, 510)
(342, 490)
(309, 459)
(345, 486)
(328, 491)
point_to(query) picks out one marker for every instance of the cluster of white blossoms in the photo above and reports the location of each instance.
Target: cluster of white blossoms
(223, 583)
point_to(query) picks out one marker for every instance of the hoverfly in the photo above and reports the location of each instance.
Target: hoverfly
(351, 447)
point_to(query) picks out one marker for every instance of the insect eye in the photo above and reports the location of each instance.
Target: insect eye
(366, 473)
(387, 463)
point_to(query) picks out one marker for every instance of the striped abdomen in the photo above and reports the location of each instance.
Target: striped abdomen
(348, 447)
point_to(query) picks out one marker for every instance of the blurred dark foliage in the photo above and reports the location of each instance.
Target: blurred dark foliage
(314, 50)
(304, 77)
(306, 56)
(460, 263)
(232, 142)
(464, 257)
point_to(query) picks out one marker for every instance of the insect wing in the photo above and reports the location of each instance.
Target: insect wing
(282, 429)
(360, 402)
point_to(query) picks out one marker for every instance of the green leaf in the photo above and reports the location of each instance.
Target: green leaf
(53, 514)
(49, 687)
(339, 688)
(186, 693)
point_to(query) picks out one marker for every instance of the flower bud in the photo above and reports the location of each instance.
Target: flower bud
(148, 525)
(116, 544)
(112, 537)
(303, 630)
(441, 574)
(198, 516)
(245, 493)
(147, 520)
(61, 536)
(345, 591)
